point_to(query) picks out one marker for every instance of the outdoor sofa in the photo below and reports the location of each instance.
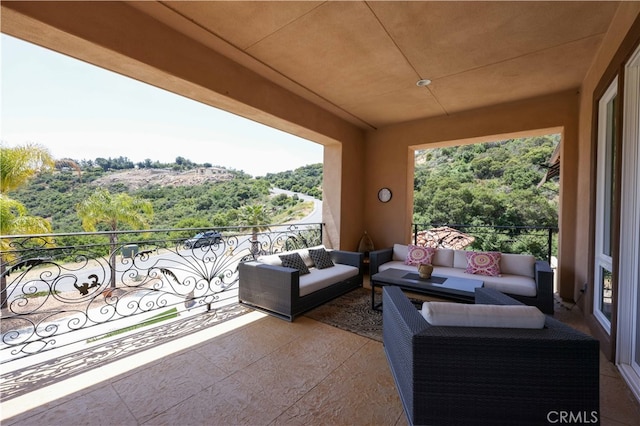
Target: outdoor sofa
(521, 276)
(449, 375)
(286, 292)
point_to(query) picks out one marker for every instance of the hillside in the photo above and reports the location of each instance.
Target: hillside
(183, 195)
(135, 179)
(495, 183)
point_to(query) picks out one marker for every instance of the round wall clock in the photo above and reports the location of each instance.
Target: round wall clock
(384, 195)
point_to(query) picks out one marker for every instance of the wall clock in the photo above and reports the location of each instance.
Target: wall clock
(384, 195)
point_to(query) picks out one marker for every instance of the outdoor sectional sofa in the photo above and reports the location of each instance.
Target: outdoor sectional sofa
(265, 284)
(522, 276)
(449, 375)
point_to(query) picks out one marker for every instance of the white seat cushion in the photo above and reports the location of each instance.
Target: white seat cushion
(397, 264)
(512, 284)
(507, 283)
(321, 278)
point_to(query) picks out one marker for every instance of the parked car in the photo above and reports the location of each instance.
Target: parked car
(203, 239)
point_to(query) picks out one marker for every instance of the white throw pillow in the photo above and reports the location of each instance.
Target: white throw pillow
(304, 254)
(271, 259)
(494, 316)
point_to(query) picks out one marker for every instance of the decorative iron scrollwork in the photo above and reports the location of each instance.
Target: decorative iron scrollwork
(84, 288)
(54, 290)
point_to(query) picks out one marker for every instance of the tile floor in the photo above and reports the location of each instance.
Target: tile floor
(252, 370)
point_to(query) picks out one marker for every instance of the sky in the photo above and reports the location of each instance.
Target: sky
(79, 111)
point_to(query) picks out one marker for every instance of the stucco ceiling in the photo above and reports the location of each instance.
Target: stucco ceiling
(361, 60)
(357, 60)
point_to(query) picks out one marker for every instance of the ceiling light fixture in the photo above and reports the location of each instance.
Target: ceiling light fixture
(423, 83)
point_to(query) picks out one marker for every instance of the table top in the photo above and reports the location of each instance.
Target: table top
(443, 283)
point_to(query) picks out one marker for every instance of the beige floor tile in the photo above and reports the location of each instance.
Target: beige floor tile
(616, 402)
(604, 421)
(358, 392)
(607, 368)
(100, 406)
(225, 403)
(150, 391)
(234, 351)
(295, 368)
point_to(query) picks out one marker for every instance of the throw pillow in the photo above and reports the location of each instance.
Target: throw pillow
(483, 263)
(321, 258)
(294, 260)
(418, 254)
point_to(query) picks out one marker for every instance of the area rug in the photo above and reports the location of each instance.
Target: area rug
(351, 312)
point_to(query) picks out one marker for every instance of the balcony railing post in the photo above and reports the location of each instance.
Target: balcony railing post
(3, 285)
(549, 245)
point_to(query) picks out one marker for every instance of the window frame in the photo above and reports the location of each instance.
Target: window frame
(607, 188)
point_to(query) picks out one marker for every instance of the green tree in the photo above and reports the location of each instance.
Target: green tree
(17, 166)
(306, 180)
(490, 184)
(257, 218)
(114, 212)
(14, 220)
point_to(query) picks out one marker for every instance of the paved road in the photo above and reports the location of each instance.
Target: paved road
(316, 214)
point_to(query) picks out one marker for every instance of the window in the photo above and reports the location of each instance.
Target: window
(628, 329)
(605, 206)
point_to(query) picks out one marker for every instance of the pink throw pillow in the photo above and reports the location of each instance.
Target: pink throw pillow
(483, 263)
(418, 254)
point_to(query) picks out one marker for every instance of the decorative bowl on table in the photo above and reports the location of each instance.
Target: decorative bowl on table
(425, 270)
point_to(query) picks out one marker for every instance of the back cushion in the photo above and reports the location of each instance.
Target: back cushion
(304, 254)
(443, 257)
(274, 259)
(271, 259)
(465, 315)
(460, 259)
(400, 252)
(518, 264)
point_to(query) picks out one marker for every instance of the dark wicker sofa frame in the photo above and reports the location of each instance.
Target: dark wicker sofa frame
(543, 277)
(276, 289)
(489, 376)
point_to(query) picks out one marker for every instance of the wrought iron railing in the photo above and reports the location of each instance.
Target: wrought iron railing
(540, 241)
(67, 289)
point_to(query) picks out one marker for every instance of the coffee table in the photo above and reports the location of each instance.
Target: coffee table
(459, 289)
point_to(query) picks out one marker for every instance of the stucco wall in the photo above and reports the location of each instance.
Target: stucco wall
(627, 13)
(390, 160)
(342, 207)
